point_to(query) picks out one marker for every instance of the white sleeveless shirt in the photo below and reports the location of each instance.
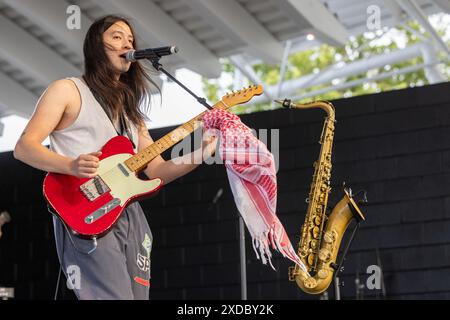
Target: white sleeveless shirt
(91, 129)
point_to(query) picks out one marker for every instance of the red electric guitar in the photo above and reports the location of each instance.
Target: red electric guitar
(90, 207)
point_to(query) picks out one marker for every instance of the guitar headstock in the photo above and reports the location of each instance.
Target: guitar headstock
(242, 96)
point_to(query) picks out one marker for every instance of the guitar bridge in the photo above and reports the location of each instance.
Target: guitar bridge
(94, 188)
(100, 212)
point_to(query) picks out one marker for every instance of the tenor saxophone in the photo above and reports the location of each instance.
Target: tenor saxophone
(322, 232)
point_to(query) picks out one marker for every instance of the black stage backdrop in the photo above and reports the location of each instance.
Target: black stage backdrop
(395, 145)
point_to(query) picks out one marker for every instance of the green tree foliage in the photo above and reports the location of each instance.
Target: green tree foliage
(316, 59)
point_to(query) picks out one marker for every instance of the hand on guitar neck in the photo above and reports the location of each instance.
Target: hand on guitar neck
(90, 206)
(4, 218)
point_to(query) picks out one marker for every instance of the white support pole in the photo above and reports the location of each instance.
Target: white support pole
(443, 4)
(248, 71)
(284, 62)
(354, 83)
(414, 10)
(430, 58)
(337, 71)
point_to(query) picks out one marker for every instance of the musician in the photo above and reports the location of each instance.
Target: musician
(80, 115)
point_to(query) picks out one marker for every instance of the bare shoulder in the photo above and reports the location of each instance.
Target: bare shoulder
(63, 87)
(63, 93)
(54, 110)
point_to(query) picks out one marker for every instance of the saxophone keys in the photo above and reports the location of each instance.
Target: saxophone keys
(315, 232)
(322, 274)
(310, 283)
(303, 253)
(310, 259)
(324, 255)
(317, 220)
(328, 237)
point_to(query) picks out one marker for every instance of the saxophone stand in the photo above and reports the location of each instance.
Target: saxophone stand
(359, 285)
(243, 266)
(339, 267)
(383, 285)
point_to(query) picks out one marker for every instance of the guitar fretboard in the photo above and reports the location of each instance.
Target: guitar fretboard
(140, 160)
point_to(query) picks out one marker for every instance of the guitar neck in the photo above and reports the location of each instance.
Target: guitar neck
(140, 160)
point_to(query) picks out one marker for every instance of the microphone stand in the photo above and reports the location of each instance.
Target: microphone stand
(383, 285)
(158, 66)
(243, 259)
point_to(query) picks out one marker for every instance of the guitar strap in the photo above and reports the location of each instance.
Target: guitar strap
(122, 122)
(124, 128)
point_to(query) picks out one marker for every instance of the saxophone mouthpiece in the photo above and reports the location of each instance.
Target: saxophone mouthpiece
(285, 103)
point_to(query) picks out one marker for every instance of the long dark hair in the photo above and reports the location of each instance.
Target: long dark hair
(116, 97)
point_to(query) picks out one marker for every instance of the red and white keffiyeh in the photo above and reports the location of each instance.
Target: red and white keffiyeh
(252, 176)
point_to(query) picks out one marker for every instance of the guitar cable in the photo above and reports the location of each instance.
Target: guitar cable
(62, 251)
(55, 296)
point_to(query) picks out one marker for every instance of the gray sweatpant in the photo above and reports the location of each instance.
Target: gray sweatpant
(117, 267)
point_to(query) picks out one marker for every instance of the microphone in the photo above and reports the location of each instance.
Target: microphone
(134, 55)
